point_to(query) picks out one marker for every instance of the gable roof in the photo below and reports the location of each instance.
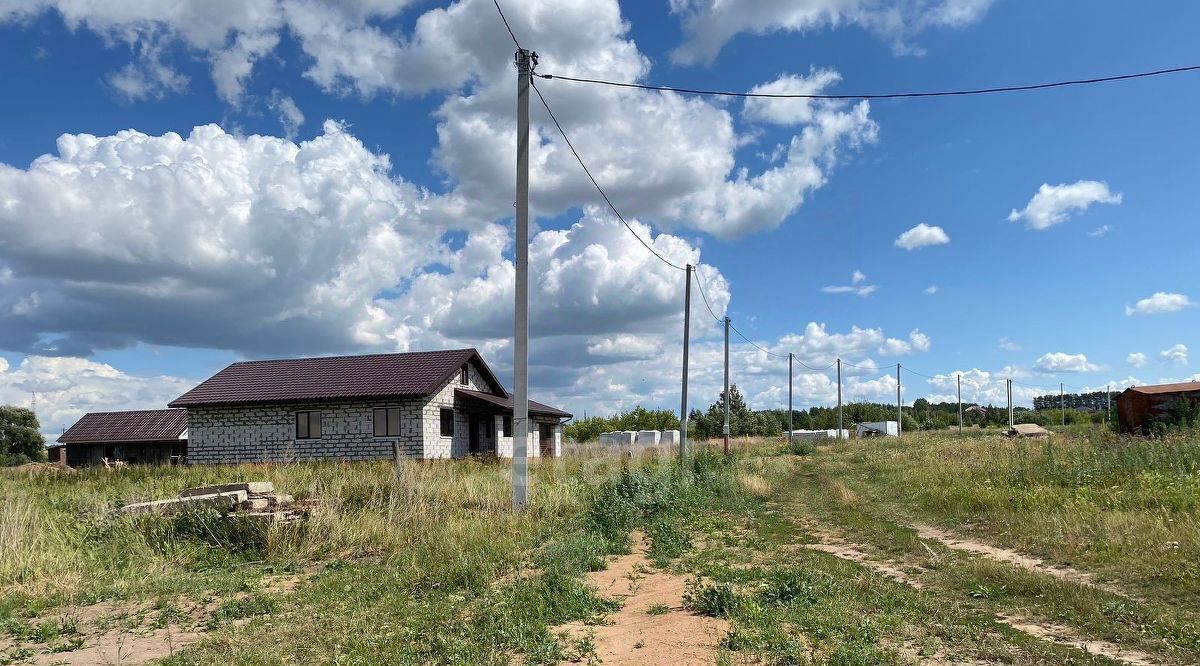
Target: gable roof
(368, 376)
(147, 425)
(506, 403)
(1166, 388)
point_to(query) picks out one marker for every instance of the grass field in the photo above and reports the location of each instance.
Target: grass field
(840, 556)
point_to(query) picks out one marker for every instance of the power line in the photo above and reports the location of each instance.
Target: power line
(920, 373)
(703, 296)
(752, 344)
(599, 189)
(892, 95)
(506, 25)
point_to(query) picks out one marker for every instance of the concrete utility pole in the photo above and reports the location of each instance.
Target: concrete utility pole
(960, 405)
(687, 320)
(1062, 405)
(725, 428)
(526, 61)
(899, 405)
(789, 397)
(839, 382)
(1008, 383)
(1108, 402)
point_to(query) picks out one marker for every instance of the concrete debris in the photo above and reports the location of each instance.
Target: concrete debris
(1028, 430)
(254, 500)
(249, 487)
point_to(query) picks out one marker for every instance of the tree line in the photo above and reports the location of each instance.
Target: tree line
(921, 415)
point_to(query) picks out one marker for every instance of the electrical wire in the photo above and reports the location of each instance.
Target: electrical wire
(599, 189)
(506, 25)
(753, 344)
(919, 373)
(893, 95)
(705, 297)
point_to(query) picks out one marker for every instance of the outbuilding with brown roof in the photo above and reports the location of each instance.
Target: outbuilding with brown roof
(1139, 407)
(139, 436)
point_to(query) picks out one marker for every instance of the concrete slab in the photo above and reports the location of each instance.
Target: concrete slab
(248, 487)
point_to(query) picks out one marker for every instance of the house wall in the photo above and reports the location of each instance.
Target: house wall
(267, 433)
(457, 446)
(504, 448)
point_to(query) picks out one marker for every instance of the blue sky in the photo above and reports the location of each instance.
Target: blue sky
(134, 264)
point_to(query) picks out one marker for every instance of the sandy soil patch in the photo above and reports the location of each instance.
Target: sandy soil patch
(1064, 635)
(1015, 558)
(835, 545)
(632, 635)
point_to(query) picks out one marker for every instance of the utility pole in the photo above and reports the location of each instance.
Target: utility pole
(839, 382)
(1008, 383)
(789, 397)
(526, 60)
(960, 405)
(1108, 403)
(725, 428)
(1062, 405)
(899, 405)
(687, 320)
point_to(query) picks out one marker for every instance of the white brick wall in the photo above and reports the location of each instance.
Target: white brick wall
(267, 433)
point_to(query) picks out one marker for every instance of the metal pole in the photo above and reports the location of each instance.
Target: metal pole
(1008, 383)
(899, 405)
(960, 405)
(789, 397)
(725, 428)
(520, 484)
(687, 320)
(1062, 405)
(839, 383)
(1108, 402)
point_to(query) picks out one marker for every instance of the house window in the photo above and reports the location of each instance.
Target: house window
(506, 426)
(463, 376)
(308, 425)
(387, 422)
(447, 422)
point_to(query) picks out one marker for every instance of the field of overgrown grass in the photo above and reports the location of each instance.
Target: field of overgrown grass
(428, 564)
(1125, 508)
(425, 564)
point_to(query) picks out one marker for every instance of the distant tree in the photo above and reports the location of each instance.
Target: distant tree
(20, 435)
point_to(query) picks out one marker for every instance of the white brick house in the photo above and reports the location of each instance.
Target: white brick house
(442, 404)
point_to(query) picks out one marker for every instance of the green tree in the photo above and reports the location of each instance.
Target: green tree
(20, 436)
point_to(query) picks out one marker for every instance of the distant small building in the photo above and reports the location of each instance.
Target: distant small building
(1139, 406)
(879, 429)
(811, 435)
(142, 436)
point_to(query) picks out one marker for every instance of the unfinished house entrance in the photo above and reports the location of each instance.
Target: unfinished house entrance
(473, 434)
(546, 440)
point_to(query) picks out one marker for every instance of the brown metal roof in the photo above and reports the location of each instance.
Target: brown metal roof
(149, 425)
(406, 375)
(1167, 388)
(507, 403)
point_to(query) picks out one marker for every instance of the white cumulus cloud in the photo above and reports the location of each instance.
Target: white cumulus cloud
(857, 286)
(709, 24)
(1062, 362)
(1175, 354)
(922, 235)
(1136, 359)
(1159, 303)
(1053, 204)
